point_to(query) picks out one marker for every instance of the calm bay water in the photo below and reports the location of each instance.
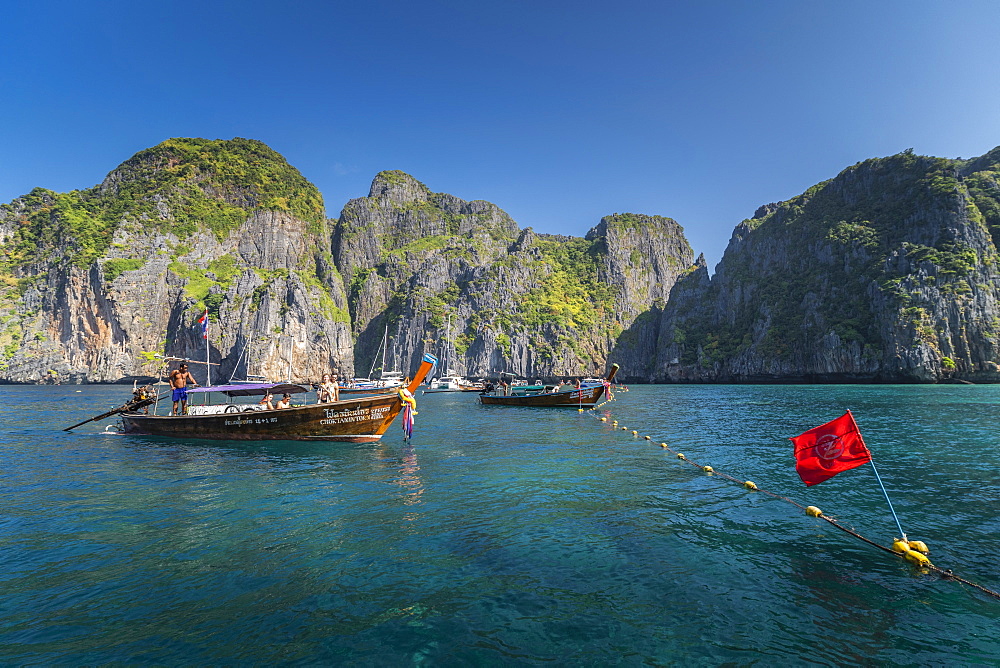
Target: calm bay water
(503, 536)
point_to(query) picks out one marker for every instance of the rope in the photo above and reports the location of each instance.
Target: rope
(944, 573)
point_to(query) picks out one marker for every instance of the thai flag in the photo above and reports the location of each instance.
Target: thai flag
(204, 323)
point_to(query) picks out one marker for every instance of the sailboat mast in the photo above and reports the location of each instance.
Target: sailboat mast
(290, 350)
(447, 338)
(385, 342)
(396, 365)
(244, 352)
(381, 347)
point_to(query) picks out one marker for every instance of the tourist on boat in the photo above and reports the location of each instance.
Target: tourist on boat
(328, 390)
(179, 378)
(286, 401)
(267, 401)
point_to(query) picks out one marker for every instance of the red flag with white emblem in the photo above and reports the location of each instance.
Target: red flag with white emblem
(826, 450)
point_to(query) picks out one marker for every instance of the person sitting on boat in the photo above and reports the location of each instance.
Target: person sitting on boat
(179, 378)
(266, 402)
(286, 401)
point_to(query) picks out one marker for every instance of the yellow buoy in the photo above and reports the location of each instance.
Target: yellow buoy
(635, 433)
(680, 455)
(604, 419)
(624, 428)
(615, 423)
(749, 484)
(663, 445)
(917, 558)
(900, 546)
(579, 410)
(648, 438)
(919, 546)
(813, 511)
(707, 469)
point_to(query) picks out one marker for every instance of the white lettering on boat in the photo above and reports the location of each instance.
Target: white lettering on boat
(243, 421)
(333, 416)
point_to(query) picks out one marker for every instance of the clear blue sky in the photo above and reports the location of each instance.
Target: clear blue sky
(558, 112)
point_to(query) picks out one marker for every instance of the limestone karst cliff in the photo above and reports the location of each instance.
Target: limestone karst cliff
(887, 272)
(462, 280)
(98, 281)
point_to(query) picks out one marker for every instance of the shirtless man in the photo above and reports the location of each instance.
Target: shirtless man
(179, 378)
(327, 391)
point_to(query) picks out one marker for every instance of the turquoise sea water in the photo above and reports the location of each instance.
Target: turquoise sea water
(503, 536)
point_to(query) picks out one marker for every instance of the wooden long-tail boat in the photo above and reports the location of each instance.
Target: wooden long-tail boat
(359, 420)
(585, 396)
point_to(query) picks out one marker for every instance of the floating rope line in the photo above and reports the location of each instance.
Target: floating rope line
(900, 548)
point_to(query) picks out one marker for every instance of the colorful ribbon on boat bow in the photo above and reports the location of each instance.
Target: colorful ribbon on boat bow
(409, 410)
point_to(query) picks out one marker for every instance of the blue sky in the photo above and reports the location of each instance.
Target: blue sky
(558, 112)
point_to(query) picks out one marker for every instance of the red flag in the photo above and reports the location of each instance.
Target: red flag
(826, 450)
(204, 323)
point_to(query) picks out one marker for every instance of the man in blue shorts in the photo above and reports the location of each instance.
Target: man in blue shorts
(179, 378)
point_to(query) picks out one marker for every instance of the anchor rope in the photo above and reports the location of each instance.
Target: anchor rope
(943, 573)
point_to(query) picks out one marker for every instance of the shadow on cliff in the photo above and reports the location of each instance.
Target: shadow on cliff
(635, 349)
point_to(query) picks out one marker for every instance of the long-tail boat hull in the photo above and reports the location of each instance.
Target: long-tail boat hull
(358, 420)
(584, 397)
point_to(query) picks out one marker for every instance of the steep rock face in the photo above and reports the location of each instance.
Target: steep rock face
(885, 273)
(642, 258)
(461, 280)
(97, 282)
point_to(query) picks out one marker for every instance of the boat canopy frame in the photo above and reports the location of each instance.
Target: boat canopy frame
(249, 390)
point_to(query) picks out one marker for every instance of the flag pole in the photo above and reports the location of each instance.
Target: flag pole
(879, 478)
(871, 460)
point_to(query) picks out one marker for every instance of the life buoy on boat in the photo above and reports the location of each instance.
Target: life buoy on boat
(232, 408)
(407, 398)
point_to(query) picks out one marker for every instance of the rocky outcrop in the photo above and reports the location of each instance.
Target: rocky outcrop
(461, 280)
(100, 284)
(885, 273)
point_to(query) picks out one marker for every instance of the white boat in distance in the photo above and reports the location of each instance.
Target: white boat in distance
(454, 384)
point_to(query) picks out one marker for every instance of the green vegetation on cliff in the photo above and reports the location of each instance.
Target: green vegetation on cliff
(570, 294)
(808, 266)
(179, 187)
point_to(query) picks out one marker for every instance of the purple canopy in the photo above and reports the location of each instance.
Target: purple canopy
(247, 390)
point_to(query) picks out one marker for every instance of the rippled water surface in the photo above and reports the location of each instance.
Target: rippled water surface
(503, 536)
